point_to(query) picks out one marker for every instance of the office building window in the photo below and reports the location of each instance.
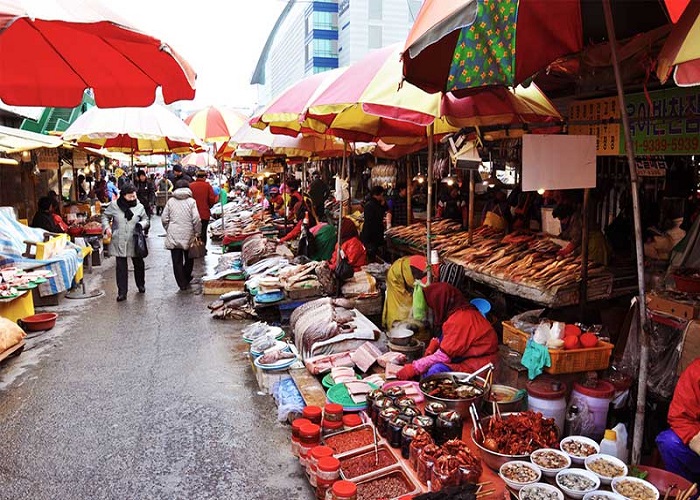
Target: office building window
(375, 10)
(309, 55)
(325, 48)
(375, 37)
(309, 25)
(325, 20)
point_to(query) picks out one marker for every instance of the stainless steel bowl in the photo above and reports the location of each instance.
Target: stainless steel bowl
(461, 406)
(515, 403)
(493, 459)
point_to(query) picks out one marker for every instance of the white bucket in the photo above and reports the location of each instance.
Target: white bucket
(550, 408)
(597, 407)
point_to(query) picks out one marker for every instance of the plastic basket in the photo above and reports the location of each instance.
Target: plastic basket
(563, 361)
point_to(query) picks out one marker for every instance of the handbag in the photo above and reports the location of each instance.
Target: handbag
(343, 271)
(140, 245)
(197, 248)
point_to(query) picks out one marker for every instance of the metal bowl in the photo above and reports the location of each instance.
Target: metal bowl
(493, 459)
(515, 403)
(460, 406)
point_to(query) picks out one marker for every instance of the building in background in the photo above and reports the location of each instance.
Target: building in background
(315, 36)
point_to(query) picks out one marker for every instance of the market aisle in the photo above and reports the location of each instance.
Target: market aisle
(147, 398)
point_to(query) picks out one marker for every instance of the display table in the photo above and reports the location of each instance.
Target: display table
(18, 307)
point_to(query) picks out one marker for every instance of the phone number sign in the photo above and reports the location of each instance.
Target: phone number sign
(665, 123)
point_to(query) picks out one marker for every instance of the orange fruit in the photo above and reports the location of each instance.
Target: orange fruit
(589, 340)
(571, 342)
(572, 330)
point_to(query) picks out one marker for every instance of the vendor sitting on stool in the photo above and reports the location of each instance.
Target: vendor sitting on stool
(467, 341)
(680, 445)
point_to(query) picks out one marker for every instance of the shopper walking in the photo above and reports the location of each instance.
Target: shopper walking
(203, 194)
(181, 222)
(124, 216)
(373, 228)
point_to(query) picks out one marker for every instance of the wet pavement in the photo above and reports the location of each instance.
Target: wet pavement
(147, 398)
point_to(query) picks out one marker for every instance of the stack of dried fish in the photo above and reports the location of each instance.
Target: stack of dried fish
(300, 277)
(255, 248)
(415, 234)
(240, 222)
(320, 320)
(522, 258)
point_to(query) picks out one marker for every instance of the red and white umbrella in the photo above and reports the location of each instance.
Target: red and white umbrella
(199, 160)
(214, 124)
(51, 51)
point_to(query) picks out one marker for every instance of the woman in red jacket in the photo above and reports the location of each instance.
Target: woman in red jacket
(679, 446)
(351, 246)
(467, 341)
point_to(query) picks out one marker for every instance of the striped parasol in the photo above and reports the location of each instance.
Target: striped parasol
(213, 124)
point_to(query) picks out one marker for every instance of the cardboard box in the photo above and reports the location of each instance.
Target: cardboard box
(690, 348)
(684, 309)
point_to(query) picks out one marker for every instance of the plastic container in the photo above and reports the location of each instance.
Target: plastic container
(327, 474)
(316, 453)
(296, 425)
(548, 397)
(309, 437)
(344, 490)
(329, 427)
(333, 412)
(612, 445)
(351, 421)
(597, 400)
(313, 413)
(623, 450)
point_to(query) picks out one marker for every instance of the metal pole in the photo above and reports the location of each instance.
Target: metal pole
(472, 189)
(339, 196)
(584, 250)
(429, 213)
(409, 192)
(634, 180)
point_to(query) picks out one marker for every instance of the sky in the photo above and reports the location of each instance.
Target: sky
(221, 39)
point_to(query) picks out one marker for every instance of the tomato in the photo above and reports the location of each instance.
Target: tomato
(571, 342)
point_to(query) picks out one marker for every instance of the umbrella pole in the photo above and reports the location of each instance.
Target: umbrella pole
(472, 189)
(634, 180)
(428, 217)
(409, 192)
(339, 195)
(584, 250)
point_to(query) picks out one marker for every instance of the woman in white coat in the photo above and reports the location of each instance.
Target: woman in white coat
(181, 221)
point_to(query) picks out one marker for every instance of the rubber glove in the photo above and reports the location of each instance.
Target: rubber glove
(423, 364)
(694, 443)
(567, 250)
(407, 373)
(433, 346)
(535, 358)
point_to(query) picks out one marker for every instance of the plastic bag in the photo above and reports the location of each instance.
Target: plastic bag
(343, 270)
(527, 321)
(420, 306)
(140, 245)
(288, 398)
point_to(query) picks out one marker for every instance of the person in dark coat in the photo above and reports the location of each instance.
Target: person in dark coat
(44, 218)
(399, 207)
(146, 193)
(373, 229)
(180, 174)
(319, 193)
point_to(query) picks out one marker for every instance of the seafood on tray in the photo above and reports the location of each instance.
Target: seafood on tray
(272, 357)
(320, 320)
(520, 433)
(447, 388)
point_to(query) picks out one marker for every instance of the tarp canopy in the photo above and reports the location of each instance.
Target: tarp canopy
(13, 140)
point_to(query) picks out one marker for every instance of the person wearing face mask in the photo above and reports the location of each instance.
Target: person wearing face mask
(124, 216)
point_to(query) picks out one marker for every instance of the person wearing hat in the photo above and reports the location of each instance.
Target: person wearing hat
(180, 174)
(146, 193)
(276, 201)
(203, 194)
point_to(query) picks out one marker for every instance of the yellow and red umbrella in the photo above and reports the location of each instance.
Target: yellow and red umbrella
(367, 103)
(53, 50)
(284, 114)
(682, 49)
(264, 142)
(133, 130)
(214, 124)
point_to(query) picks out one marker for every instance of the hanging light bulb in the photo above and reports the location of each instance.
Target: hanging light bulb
(420, 179)
(540, 191)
